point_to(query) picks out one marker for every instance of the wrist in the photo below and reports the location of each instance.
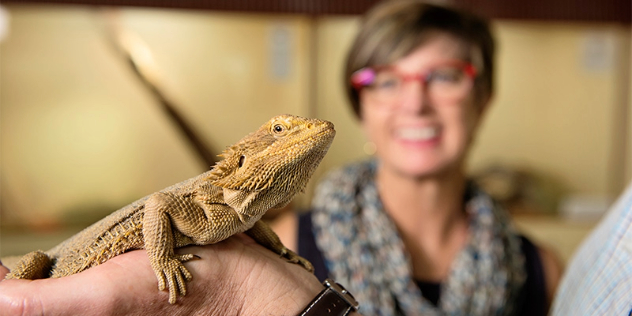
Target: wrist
(333, 300)
(289, 302)
(287, 295)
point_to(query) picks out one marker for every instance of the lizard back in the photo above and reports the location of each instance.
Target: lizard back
(114, 234)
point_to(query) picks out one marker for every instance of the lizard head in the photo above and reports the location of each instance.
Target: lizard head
(282, 154)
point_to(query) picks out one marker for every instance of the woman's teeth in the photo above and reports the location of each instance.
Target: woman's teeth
(417, 134)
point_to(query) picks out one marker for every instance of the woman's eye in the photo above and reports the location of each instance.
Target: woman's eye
(445, 75)
(386, 82)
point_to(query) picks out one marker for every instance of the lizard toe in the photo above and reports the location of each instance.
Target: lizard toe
(292, 257)
(172, 275)
(173, 294)
(306, 264)
(162, 282)
(184, 272)
(186, 257)
(181, 279)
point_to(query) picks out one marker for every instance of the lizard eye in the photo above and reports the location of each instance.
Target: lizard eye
(241, 161)
(278, 128)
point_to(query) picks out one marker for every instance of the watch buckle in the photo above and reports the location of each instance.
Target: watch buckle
(343, 293)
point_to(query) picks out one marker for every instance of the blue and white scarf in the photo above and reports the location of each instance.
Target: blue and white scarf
(364, 252)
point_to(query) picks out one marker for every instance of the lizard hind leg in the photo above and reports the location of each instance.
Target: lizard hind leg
(34, 265)
(265, 236)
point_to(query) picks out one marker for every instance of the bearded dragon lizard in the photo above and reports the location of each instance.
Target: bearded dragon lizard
(263, 170)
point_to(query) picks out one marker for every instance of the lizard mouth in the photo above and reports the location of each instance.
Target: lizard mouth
(326, 127)
(327, 131)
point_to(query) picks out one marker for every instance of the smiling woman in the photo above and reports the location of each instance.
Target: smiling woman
(406, 232)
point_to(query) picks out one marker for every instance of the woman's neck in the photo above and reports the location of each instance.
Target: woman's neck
(435, 201)
(429, 214)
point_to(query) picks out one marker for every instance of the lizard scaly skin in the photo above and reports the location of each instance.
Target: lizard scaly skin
(263, 170)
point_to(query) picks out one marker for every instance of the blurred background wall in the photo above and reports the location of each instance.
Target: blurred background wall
(81, 136)
(79, 129)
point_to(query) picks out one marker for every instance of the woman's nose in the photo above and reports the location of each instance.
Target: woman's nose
(413, 98)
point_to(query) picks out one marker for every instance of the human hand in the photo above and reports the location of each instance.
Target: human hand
(234, 277)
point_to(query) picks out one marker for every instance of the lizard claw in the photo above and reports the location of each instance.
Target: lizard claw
(172, 274)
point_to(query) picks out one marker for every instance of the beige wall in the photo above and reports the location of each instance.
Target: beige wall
(557, 109)
(77, 129)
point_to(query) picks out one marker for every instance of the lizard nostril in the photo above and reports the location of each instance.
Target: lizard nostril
(310, 125)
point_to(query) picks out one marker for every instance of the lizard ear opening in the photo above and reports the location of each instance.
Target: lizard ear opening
(229, 174)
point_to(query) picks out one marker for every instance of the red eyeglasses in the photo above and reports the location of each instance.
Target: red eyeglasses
(450, 79)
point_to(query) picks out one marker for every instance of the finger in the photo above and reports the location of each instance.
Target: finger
(64, 296)
(16, 297)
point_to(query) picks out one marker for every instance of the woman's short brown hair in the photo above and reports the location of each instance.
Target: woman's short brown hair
(395, 28)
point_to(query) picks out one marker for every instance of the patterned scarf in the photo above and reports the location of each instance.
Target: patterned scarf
(363, 251)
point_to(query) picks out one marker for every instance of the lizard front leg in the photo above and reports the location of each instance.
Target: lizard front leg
(172, 221)
(264, 235)
(159, 243)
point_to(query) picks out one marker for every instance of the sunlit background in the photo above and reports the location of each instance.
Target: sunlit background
(81, 135)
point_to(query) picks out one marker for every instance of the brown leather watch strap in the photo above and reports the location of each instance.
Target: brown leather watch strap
(334, 300)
